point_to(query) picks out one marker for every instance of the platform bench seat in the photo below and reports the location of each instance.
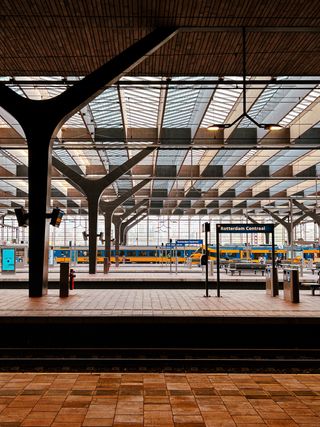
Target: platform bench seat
(312, 285)
(247, 267)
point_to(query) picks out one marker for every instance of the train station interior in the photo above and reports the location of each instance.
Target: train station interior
(159, 213)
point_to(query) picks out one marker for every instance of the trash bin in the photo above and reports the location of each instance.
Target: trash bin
(291, 285)
(272, 284)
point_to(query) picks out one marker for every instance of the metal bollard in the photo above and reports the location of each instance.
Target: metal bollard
(106, 265)
(64, 280)
(72, 276)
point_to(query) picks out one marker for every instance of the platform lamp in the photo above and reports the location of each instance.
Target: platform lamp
(266, 126)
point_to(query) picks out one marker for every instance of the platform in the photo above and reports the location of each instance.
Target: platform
(159, 400)
(157, 302)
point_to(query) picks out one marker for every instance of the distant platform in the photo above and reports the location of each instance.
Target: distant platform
(148, 276)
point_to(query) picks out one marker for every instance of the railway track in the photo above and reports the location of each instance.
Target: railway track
(163, 359)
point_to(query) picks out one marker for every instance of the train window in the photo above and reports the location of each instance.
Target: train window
(152, 253)
(143, 253)
(112, 252)
(131, 253)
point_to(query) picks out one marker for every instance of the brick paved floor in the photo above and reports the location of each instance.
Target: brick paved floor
(156, 302)
(180, 400)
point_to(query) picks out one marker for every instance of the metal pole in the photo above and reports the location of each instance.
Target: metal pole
(218, 262)
(170, 252)
(207, 263)
(291, 230)
(176, 259)
(273, 258)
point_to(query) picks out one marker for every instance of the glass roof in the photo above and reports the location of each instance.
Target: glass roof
(222, 103)
(177, 102)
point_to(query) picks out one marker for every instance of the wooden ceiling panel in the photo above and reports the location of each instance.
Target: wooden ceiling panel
(53, 37)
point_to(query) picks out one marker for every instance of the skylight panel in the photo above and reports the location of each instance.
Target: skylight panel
(182, 102)
(105, 109)
(221, 105)
(141, 104)
(64, 156)
(247, 157)
(299, 108)
(75, 121)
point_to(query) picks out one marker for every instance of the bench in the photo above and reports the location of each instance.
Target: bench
(312, 285)
(247, 267)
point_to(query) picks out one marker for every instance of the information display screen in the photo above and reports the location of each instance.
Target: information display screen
(56, 217)
(8, 260)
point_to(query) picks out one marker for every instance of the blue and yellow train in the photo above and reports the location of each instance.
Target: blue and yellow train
(156, 254)
(130, 254)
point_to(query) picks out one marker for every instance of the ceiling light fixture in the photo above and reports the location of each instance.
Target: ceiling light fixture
(266, 126)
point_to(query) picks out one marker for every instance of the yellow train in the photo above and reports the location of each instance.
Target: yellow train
(156, 254)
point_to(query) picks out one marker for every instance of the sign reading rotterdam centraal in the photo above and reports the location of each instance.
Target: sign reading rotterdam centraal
(245, 228)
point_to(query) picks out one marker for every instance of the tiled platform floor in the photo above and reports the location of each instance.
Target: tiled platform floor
(156, 302)
(179, 400)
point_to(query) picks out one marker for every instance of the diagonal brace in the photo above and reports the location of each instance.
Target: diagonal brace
(108, 209)
(132, 222)
(309, 212)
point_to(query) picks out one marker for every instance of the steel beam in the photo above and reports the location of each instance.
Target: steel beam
(93, 189)
(118, 220)
(309, 212)
(108, 208)
(288, 225)
(168, 82)
(132, 222)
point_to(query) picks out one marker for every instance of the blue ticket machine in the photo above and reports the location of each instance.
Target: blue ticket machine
(8, 260)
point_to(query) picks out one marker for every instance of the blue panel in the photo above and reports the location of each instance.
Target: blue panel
(8, 259)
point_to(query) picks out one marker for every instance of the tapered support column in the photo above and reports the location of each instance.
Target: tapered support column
(309, 212)
(40, 120)
(107, 233)
(39, 205)
(108, 209)
(93, 189)
(117, 243)
(288, 225)
(93, 203)
(118, 220)
(138, 218)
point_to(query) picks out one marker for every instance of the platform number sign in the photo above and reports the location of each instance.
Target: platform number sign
(8, 260)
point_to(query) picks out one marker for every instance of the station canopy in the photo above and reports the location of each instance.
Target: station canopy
(169, 101)
(234, 171)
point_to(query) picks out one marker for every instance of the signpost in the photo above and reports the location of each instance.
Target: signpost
(8, 260)
(206, 229)
(243, 228)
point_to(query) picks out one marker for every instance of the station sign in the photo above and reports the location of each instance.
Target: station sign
(189, 242)
(8, 260)
(245, 228)
(170, 245)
